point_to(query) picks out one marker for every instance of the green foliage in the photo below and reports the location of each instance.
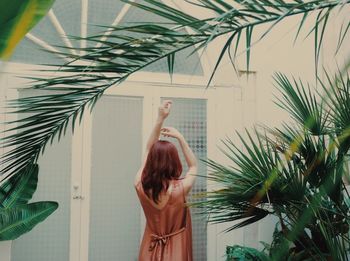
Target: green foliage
(16, 216)
(17, 17)
(130, 48)
(295, 173)
(240, 253)
(20, 188)
(302, 104)
(20, 219)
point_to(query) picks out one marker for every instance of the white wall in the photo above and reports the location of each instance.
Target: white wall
(275, 53)
(5, 246)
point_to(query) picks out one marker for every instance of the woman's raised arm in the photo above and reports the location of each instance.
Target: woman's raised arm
(163, 113)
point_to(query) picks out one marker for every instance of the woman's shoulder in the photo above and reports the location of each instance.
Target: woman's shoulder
(178, 188)
(177, 183)
(138, 186)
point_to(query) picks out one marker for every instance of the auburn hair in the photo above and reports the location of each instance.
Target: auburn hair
(162, 165)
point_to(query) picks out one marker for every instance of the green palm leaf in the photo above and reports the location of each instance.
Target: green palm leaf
(302, 104)
(257, 179)
(20, 188)
(125, 53)
(50, 119)
(18, 220)
(337, 97)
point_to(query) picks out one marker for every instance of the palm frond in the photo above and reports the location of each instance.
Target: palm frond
(49, 118)
(237, 16)
(20, 188)
(257, 179)
(313, 156)
(343, 33)
(128, 49)
(302, 104)
(337, 97)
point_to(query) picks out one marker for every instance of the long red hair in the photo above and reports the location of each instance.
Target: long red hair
(162, 165)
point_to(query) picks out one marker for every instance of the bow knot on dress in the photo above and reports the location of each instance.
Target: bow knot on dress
(161, 241)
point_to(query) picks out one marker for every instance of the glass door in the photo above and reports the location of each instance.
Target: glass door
(100, 218)
(118, 125)
(50, 240)
(116, 147)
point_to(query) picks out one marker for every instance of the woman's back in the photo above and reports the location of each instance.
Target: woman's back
(168, 229)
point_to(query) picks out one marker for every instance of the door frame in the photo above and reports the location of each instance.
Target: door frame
(151, 93)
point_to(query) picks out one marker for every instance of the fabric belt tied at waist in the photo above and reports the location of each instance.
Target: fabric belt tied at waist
(157, 240)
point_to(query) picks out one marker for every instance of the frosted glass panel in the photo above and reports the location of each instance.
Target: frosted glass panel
(189, 116)
(49, 241)
(116, 157)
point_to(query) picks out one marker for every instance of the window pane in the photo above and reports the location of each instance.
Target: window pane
(50, 239)
(189, 116)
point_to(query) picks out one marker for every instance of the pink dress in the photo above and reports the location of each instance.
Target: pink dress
(168, 231)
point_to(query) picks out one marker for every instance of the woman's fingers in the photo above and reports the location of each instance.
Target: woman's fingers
(164, 109)
(165, 134)
(166, 102)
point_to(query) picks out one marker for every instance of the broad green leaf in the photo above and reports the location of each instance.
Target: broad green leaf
(17, 17)
(20, 188)
(243, 253)
(19, 220)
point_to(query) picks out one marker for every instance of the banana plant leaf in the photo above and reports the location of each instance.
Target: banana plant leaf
(20, 188)
(18, 220)
(17, 17)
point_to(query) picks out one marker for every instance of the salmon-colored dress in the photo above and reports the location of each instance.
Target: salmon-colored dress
(168, 231)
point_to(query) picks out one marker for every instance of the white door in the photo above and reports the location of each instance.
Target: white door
(99, 218)
(50, 240)
(116, 147)
(119, 127)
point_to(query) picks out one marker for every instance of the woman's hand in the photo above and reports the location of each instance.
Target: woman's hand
(171, 132)
(164, 109)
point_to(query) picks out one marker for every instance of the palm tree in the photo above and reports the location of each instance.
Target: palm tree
(274, 164)
(294, 173)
